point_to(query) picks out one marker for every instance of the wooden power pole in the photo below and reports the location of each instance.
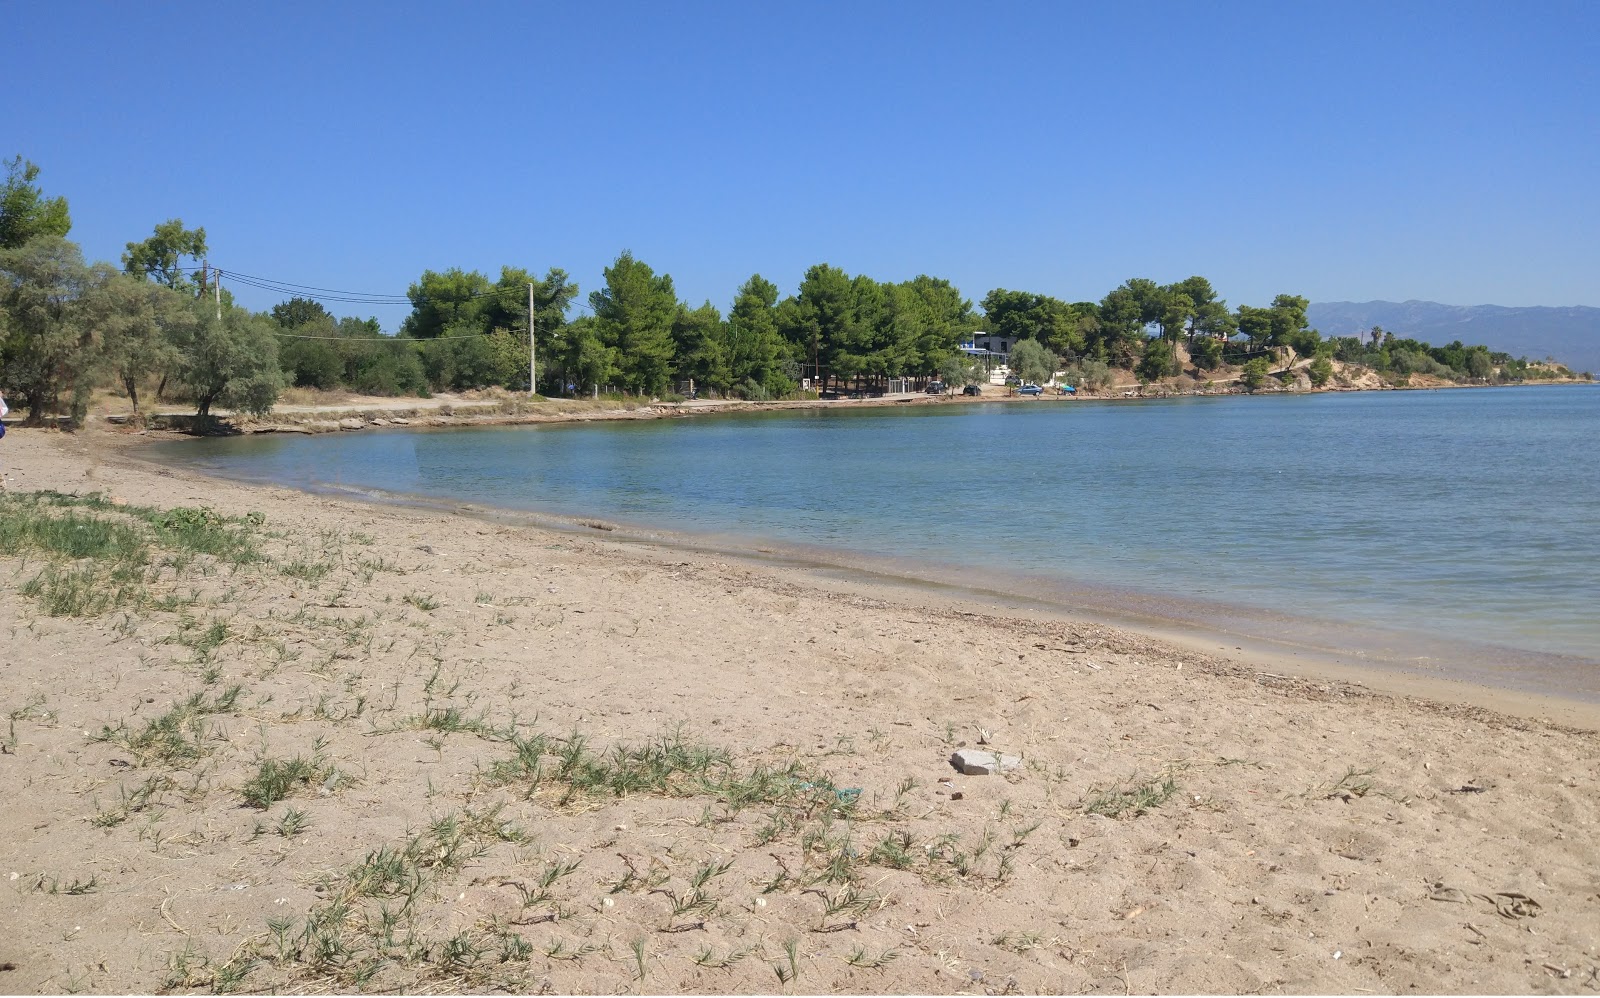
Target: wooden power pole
(533, 350)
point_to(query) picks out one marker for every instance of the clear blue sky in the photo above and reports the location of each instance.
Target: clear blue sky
(1445, 151)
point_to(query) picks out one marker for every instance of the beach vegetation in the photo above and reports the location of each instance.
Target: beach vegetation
(178, 736)
(860, 957)
(278, 779)
(789, 970)
(140, 798)
(1133, 797)
(1351, 784)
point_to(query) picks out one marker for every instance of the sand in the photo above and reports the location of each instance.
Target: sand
(1179, 822)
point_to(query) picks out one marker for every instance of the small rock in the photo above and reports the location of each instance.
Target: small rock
(351, 423)
(975, 763)
(958, 795)
(400, 422)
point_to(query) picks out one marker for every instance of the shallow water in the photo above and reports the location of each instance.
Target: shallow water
(1460, 516)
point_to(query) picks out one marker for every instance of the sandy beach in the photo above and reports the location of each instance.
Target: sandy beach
(308, 744)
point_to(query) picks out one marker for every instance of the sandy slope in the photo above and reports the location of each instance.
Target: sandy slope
(1465, 861)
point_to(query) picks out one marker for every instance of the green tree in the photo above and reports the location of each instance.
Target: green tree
(47, 348)
(1125, 314)
(160, 258)
(959, 369)
(1207, 353)
(1254, 374)
(1059, 327)
(141, 325)
(1287, 318)
(1479, 365)
(24, 210)
(815, 321)
(1092, 375)
(1320, 371)
(1157, 362)
(230, 362)
(454, 299)
(755, 347)
(297, 312)
(1255, 324)
(633, 316)
(1031, 362)
(586, 362)
(933, 319)
(506, 359)
(505, 307)
(1177, 311)
(700, 345)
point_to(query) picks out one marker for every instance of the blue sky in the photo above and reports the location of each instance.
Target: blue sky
(1341, 151)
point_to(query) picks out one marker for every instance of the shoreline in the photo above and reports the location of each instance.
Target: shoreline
(841, 577)
(1145, 614)
(506, 410)
(1521, 681)
(410, 656)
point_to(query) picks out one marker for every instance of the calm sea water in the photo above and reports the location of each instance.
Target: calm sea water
(1449, 516)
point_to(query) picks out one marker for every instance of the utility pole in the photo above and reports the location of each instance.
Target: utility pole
(219, 295)
(533, 350)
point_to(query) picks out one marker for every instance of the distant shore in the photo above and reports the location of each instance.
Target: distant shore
(500, 408)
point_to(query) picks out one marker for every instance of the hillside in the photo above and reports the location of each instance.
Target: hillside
(1569, 334)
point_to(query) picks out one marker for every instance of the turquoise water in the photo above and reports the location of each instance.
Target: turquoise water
(1460, 516)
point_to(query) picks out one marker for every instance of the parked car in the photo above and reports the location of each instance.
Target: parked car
(972, 390)
(936, 388)
(828, 394)
(1030, 390)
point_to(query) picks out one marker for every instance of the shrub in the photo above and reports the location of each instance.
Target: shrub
(1090, 375)
(1207, 353)
(1254, 374)
(1320, 371)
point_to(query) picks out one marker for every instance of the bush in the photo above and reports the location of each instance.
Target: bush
(1207, 353)
(780, 386)
(390, 370)
(1320, 371)
(311, 364)
(1090, 375)
(1156, 362)
(1254, 374)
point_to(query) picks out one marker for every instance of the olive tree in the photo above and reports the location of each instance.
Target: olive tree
(48, 349)
(1031, 362)
(141, 325)
(231, 362)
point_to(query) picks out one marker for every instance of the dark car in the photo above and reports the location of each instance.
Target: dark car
(972, 390)
(1030, 390)
(936, 388)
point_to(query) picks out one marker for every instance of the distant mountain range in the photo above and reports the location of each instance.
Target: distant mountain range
(1570, 335)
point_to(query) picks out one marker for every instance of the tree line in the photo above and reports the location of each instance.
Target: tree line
(160, 324)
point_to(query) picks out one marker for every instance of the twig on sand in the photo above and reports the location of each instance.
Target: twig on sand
(170, 920)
